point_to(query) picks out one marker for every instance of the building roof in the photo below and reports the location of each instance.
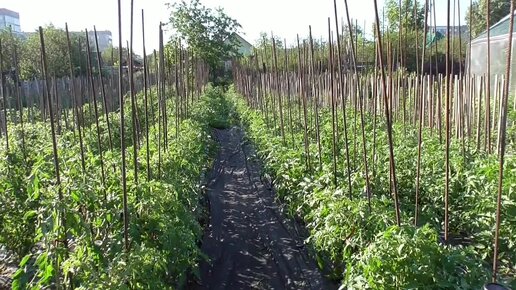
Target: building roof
(241, 39)
(4, 11)
(244, 47)
(499, 28)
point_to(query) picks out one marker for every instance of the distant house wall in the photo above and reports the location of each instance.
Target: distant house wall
(104, 38)
(454, 30)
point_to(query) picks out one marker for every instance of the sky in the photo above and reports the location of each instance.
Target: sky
(284, 18)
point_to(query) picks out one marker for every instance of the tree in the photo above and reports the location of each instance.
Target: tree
(110, 56)
(476, 14)
(10, 41)
(264, 47)
(408, 19)
(403, 44)
(206, 32)
(265, 40)
(56, 47)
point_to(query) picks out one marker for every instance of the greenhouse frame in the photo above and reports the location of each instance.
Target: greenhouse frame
(499, 44)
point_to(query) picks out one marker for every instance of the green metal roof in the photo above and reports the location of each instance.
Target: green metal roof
(500, 28)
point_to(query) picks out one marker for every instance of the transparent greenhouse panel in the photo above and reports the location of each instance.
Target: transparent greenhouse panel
(478, 59)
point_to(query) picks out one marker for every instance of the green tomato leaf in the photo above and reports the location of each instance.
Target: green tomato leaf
(24, 261)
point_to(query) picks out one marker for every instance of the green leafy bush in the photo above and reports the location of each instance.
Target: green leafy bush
(347, 233)
(164, 211)
(412, 258)
(215, 109)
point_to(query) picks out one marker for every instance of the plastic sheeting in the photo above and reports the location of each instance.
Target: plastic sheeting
(499, 45)
(499, 42)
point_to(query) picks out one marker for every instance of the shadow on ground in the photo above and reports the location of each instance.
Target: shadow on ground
(251, 245)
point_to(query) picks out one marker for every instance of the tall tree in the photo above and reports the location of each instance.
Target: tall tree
(56, 48)
(265, 40)
(402, 39)
(9, 42)
(409, 21)
(498, 10)
(207, 32)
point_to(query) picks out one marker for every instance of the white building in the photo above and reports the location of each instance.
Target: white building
(104, 37)
(10, 19)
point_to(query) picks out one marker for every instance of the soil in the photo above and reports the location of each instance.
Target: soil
(8, 267)
(249, 242)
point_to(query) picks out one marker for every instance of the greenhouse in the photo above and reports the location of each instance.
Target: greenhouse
(498, 40)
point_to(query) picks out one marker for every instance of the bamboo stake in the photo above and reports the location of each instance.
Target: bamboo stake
(496, 105)
(160, 103)
(289, 102)
(260, 94)
(104, 99)
(400, 34)
(452, 42)
(315, 96)
(416, 28)
(66, 105)
(332, 92)
(74, 96)
(278, 94)
(364, 145)
(95, 108)
(481, 89)
(471, 84)
(145, 95)
(499, 119)
(460, 39)
(387, 118)
(431, 105)
(447, 147)
(18, 99)
(420, 123)
(305, 117)
(4, 100)
(134, 108)
(436, 51)
(375, 103)
(61, 231)
(58, 105)
(122, 132)
(503, 133)
(176, 82)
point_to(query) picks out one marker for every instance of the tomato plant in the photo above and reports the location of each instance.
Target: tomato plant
(359, 242)
(165, 211)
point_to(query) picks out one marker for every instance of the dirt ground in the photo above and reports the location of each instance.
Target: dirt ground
(249, 241)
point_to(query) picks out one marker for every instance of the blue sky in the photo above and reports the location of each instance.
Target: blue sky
(285, 18)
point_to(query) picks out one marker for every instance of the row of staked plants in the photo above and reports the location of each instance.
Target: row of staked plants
(165, 204)
(358, 242)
